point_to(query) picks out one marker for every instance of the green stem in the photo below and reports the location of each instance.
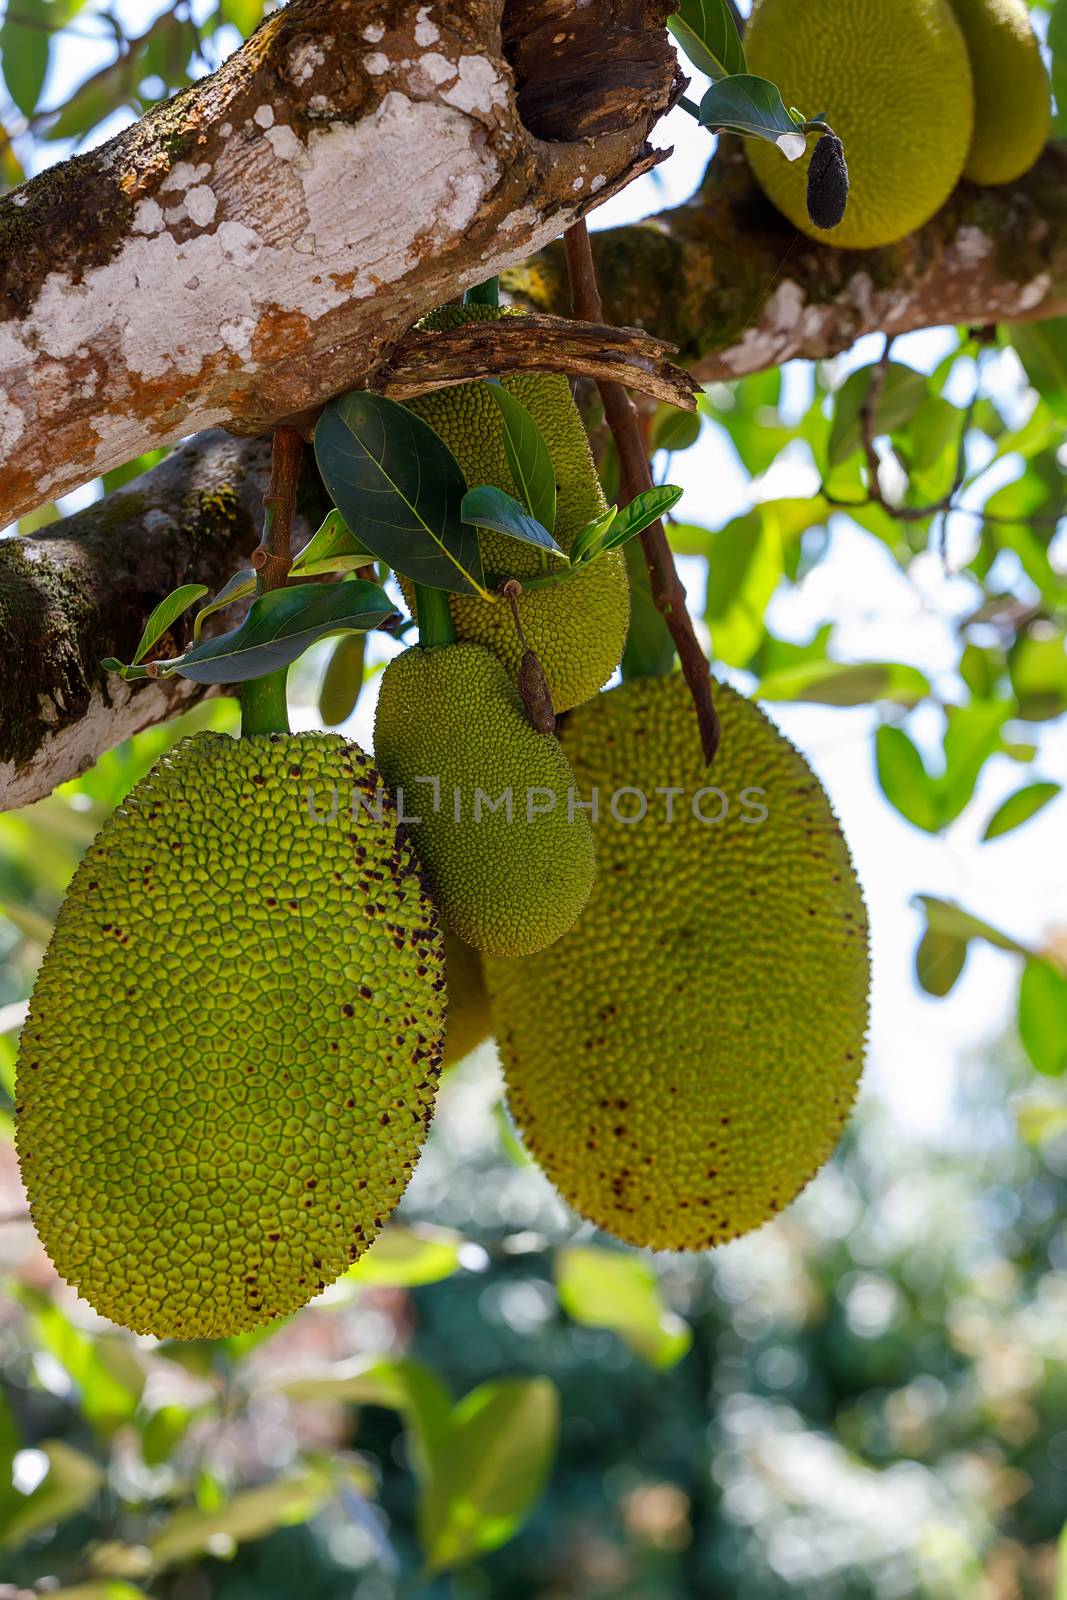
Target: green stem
(483, 294)
(264, 708)
(433, 617)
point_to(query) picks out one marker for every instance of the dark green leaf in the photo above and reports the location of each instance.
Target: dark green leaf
(1019, 808)
(332, 548)
(644, 509)
(617, 1290)
(279, 627)
(1042, 349)
(401, 488)
(239, 587)
(342, 680)
(675, 429)
(939, 960)
(945, 916)
(25, 37)
(972, 734)
(590, 541)
(488, 507)
(903, 391)
(749, 105)
(249, 1514)
(904, 779)
(649, 649)
(490, 1470)
(165, 613)
(839, 683)
(71, 1482)
(707, 33)
(528, 457)
(1043, 1016)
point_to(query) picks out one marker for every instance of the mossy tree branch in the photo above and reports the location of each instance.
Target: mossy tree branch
(82, 588)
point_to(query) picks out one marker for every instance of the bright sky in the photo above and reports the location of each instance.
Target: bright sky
(919, 1046)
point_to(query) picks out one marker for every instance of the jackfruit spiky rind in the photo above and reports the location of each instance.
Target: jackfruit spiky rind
(506, 887)
(1013, 107)
(577, 629)
(684, 1060)
(468, 1023)
(230, 1057)
(893, 79)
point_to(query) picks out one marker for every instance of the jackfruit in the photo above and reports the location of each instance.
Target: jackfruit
(487, 799)
(1013, 109)
(468, 1023)
(231, 1052)
(577, 628)
(684, 1060)
(893, 80)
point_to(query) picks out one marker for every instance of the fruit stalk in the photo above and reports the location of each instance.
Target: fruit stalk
(433, 617)
(635, 477)
(263, 702)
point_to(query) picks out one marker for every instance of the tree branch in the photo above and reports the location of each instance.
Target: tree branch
(82, 588)
(263, 240)
(729, 283)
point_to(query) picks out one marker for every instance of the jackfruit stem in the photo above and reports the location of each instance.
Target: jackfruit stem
(264, 708)
(483, 294)
(433, 616)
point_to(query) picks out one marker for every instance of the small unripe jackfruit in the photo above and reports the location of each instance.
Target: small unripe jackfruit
(893, 80)
(487, 798)
(230, 1057)
(683, 1061)
(468, 1022)
(1013, 109)
(577, 628)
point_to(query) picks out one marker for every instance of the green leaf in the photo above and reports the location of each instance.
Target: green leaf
(488, 507)
(249, 1514)
(243, 14)
(1043, 1016)
(402, 1258)
(903, 391)
(165, 613)
(972, 734)
(945, 916)
(403, 1385)
(616, 1290)
(649, 649)
(100, 1589)
(279, 627)
(753, 107)
(745, 566)
(644, 509)
(1020, 807)
(72, 1480)
(589, 542)
(25, 39)
(490, 1471)
(707, 33)
(396, 482)
(840, 683)
(104, 1370)
(239, 587)
(332, 548)
(674, 429)
(1042, 349)
(939, 960)
(528, 457)
(1061, 1553)
(343, 679)
(1057, 43)
(904, 779)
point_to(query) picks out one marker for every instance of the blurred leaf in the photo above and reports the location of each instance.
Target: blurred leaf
(1019, 808)
(1037, 664)
(240, 587)
(342, 679)
(649, 647)
(72, 1480)
(1042, 349)
(25, 39)
(105, 1371)
(489, 507)
(10, 1443)
(939, 960)
(707, 33)
(610, 1289)
(945, 916)
(168, 610)
(903, 778)
(972, 734)
(902, 393)
(243, 14)
(1043, 1015)
(101, 1589)
(404, 1385)
(490, 1470)
(119, 477)
(163, 1429)
(249, 1514)
(841, 683)
(402, 1257)
(930, 447)
(1057, 43)
(400, 489)
(528, 458)
(746, 560)
(31, 924)
(752, 106)
(674, 429)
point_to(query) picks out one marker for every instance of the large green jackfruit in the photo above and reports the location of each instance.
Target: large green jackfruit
(1013, 106)
(232, 1047)
(576, 628)
(684, 1060)
(509, 875)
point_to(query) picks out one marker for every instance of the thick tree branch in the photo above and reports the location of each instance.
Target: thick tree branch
(82, 588)
(262, 241)
(736, 289)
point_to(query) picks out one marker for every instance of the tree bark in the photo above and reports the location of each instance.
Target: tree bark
(263, 240)
(82, 589)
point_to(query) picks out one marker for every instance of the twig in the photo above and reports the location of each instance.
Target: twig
(867, 413)
(273, 557)
(636, 476)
